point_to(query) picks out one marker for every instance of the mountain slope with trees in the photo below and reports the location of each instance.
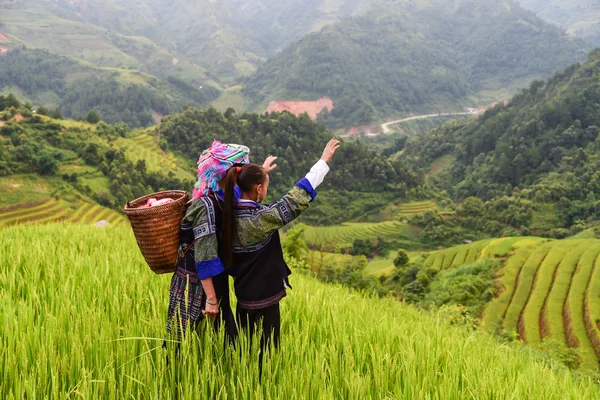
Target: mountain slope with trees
(415, 56)
(361, 180)
(220, 39)
(579, 17)
(536, 158)
(74, 88)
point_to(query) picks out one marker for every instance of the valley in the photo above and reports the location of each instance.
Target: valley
(452, 251)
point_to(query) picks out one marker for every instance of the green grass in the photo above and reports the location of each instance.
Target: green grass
(415, 208)
(439, 164)
(521, 291)
(543, 281)
(83, 316)
(52, 210)
(23, 189)
(438, 261)
(560, 289)
(340, 236)
(592, 307)
(575, 307)
(144, 146)
(230, 98)
(475, 252)
(495, 311)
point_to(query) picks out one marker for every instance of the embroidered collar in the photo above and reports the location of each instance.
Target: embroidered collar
(243, 203)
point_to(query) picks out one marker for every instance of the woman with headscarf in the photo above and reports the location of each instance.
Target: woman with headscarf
(201, 274)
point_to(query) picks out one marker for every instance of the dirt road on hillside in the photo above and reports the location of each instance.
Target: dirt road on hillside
(386, 129)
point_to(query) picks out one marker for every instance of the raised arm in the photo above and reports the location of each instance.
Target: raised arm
(284, 211)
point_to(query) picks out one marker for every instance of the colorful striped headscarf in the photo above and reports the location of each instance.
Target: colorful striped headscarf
(214, 163)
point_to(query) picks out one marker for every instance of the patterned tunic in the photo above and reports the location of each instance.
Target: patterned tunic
(260, 271)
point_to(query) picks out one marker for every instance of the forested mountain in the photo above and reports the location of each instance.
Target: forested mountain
(119, 95)
(226, 38)
(539, 152)
(415, 56)
(579, 17)
(361, 180)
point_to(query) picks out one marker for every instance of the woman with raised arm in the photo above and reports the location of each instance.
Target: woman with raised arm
(201, 272)
(251, 243)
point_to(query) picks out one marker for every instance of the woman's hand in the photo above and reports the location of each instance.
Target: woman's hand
(268, 164)
(211, 310)
(330, 150)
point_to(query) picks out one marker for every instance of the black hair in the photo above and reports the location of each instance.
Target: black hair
(246, 177)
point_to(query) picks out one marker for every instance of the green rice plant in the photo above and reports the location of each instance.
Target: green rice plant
(499, 248)
(575, 307)
(496, 310)
(83, 316)
(592, 307)
(475, 252)
(540, 291)
(553, 309)
(461, 255)
(52, 209)
(523, 286)
(439, 260)
(25, 210)
(430, 259)
(449, 258)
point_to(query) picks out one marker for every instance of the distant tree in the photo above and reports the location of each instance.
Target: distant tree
(93, 117)
(401, 259)
(47, 162)
(471, 207)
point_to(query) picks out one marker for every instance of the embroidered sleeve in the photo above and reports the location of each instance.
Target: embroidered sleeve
(201, 217)
(287, 209)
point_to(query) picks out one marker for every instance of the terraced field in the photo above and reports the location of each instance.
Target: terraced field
(339, 236)
(414, 208)
(547, 289)
(145, 147)
(52, 210)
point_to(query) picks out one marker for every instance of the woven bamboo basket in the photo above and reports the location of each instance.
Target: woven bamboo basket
(156, 229)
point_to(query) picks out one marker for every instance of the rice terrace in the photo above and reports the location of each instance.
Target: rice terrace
(197, 201)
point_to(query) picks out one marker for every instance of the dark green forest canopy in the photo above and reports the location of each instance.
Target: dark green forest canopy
(297, 141)
(408, 58)
(77, 89)
(543, 146)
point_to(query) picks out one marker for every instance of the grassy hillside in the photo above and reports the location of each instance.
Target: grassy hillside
(63, 170)
(75, 88)
(415, 56)
(195, 40)
(60, 29)
(546, 289)
(532, 161)
(83, 315)
(47, 205)
(578, 17)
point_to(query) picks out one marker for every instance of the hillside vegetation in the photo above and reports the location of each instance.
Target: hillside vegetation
(53, 170)
(95, 318)
(578, 17)
(545, 289)
(414, 57)
(537, 156)
(220, 40)
(75, 88)
(360, 180)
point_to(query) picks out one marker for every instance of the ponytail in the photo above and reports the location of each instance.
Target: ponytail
(229, 222)
(245, 177)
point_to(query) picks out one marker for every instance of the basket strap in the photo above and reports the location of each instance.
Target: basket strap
(184, 255)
